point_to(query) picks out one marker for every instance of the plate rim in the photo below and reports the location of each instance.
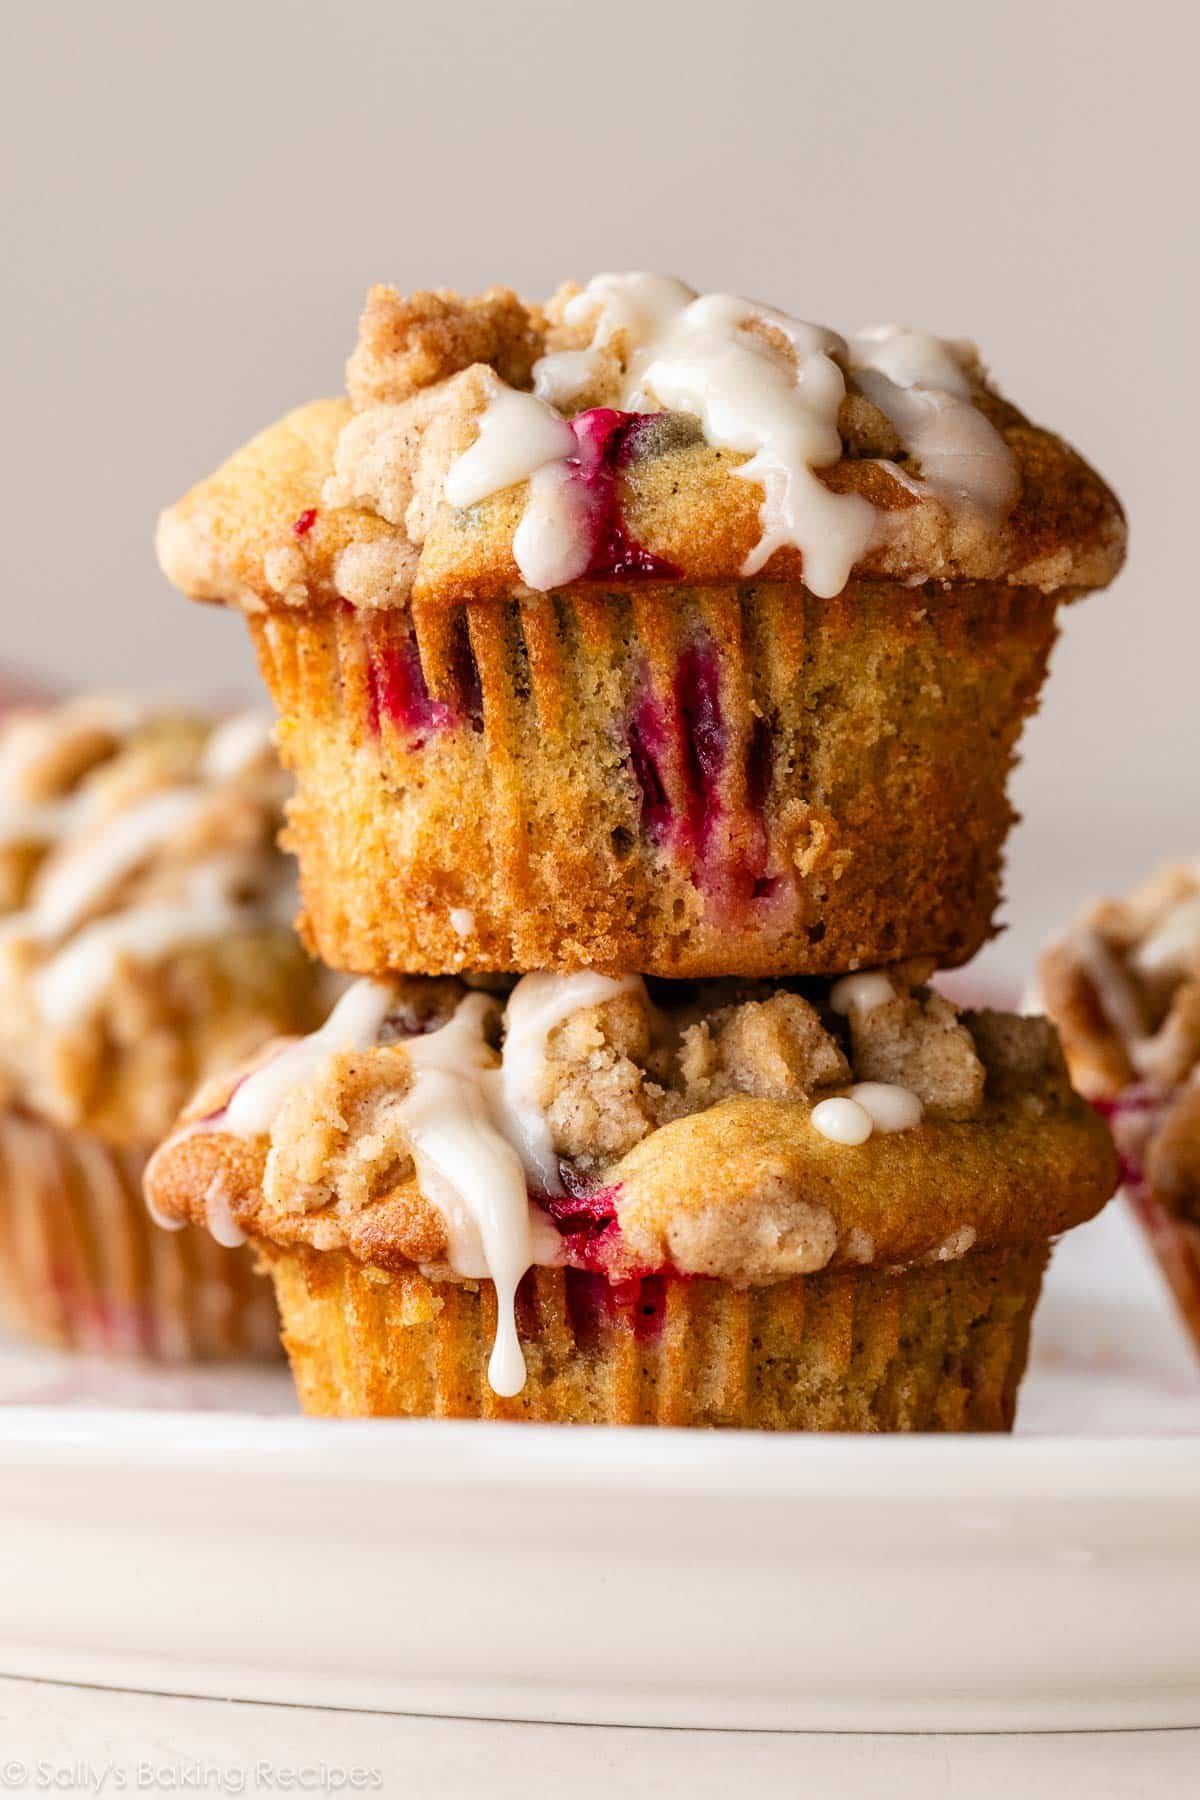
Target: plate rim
(429, 1453)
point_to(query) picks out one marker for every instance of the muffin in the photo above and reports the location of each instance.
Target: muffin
(1124, 989)
(596, 1200)
(647, 631)
(144, 945)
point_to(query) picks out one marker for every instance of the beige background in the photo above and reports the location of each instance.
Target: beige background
(197, 196)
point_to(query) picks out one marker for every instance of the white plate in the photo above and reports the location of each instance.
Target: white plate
(661, 1578)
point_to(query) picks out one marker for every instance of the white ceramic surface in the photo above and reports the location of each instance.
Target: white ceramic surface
(1052, 1580)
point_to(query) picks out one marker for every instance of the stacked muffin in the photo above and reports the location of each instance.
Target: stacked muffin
(651, 666)
(144, 944)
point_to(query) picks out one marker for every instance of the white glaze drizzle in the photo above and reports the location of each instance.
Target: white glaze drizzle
(842, 1120)
(471, 1173)
(236, 745)
(41, 821)
(719, 359)
(862, 992)
(552, 544)
(354, 1024)
(869, 1107)
(1170, 948)
(517, 434)
(29, 737)
(70, 983)
(750, 397)
(81, 879)
(537, 1005)
(1174, 944)
(218, 1216)
(918, 382)
(474, 1121)
(889, 1106)
(1115, 991)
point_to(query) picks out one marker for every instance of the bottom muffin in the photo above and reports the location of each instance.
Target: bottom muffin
(1123, 986)
(936, 1348)
(83, 1267)
(791, 1206)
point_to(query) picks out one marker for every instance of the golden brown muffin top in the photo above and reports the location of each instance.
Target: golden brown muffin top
(748, 1131)
(1123, 986)
(633, 431)
(145, 938)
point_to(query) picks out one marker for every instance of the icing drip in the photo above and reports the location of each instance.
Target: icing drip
(518, 434)
(70, 984)
(1174, 944)
(354, 1024)
(1118, 997)
(218, 1215)
(869, 1107)
(865, 991)
(235, 746)
(890, 1107)
(1168, 950)
(536, 1006)
(41, 822)
(716, 363)
(471, 1173)
(760, 383)
(474, 1121)
(572, 525)
(842, 1121)
(78, 882)
(921, 385)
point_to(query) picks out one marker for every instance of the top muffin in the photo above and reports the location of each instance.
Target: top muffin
(744, 443)
(634, 630)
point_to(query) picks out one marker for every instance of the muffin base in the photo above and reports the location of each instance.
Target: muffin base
(940, 1347)
(685, 781)
(1176, 1245)
(83, 1266)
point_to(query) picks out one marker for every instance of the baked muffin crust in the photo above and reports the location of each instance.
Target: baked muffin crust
(346, 500)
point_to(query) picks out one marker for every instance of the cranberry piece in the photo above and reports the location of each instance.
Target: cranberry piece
(398, 691)
(304, 524)
(606, 440)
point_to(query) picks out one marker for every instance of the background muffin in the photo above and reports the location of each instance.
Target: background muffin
(144, 945)
(729, 1204)
(641, 687)
(1124, 988)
